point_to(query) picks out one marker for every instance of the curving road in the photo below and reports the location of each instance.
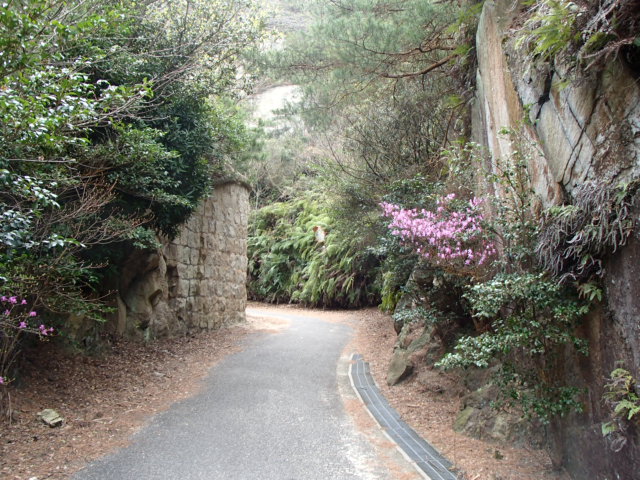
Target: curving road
(275, 411)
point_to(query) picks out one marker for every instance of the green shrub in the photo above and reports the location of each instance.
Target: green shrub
(581, 34)
(288, 264)
(341, 275)
(528, 318)
(622, 396)
(108, 135)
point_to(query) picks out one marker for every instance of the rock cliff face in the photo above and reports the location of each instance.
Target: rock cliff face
(579, 129)
(196, 281)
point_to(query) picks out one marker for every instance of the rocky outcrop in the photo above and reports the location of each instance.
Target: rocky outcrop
(576, 129)
(418, 345)
(427, 319)
(498, 105)
(478, 418)
(196, 281)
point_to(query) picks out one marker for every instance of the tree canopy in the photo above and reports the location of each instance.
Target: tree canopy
(114, 120)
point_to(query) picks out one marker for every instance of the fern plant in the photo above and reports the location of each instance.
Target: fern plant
(342, 275)
(287, 263)
(551, 28)
(622, 395)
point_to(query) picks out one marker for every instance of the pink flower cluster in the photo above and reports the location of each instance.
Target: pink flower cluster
(15, 322)
(444, 236)
(19, 319)
(12, 300)
(44, 330)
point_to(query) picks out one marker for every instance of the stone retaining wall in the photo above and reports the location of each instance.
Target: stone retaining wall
(196, 281)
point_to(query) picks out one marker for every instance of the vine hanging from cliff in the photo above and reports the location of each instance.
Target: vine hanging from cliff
(589, 33)
(575, 238)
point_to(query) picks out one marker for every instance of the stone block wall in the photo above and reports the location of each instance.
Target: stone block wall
(197, 281)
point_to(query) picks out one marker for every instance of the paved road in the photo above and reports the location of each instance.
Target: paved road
(270, 412)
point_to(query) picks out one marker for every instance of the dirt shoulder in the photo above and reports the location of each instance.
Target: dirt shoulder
(430, 403)
(104, 399)
(108, 397)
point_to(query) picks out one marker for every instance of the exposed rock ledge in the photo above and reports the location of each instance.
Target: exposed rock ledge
(575, 130)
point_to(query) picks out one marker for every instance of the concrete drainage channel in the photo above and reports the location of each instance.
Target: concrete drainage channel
(424, 457)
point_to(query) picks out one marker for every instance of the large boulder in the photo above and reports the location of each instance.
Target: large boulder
(399, 368)
(418, 345)
(479, 419)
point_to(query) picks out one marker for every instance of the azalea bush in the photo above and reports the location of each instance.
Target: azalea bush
(17, 319)
(522, 318)
(450, 237)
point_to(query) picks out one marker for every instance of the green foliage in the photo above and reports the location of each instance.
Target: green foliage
(288, 264)
(353, 42)
(622, 396)
(283, 161)
(581, 34)
(530, 317)
(514, 222)
(378, 93)
(341, 276)
(390, 293)
(621, 393)
(378, 103)
(422, 315)
(536, 397)
(143, 239)
(528, 312)
(281, 240)
(381, 95)
(417, 191)
(590, 291)
(576, 237)
(524, 318)
(109, 133)
(551, 29)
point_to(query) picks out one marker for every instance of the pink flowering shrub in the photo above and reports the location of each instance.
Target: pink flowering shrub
(449, 237)
(16, 319)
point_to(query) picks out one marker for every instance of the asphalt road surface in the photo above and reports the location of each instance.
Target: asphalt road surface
(273, 411)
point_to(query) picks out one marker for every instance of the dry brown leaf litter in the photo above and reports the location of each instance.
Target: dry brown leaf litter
(431, 404)
(104, 399)
(107, 398)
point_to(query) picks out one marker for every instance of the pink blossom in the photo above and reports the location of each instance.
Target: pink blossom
(32, 314)
(22, 325)
(7, 312)
(44, 330)
(1, 380)
(446, 234)
(3, 298)
(13, 300)
(24, 302)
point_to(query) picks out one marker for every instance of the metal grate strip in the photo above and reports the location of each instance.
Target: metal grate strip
(426, 458)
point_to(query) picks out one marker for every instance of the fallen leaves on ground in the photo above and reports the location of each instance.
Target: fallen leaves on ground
(104, 398)
(429, 402)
